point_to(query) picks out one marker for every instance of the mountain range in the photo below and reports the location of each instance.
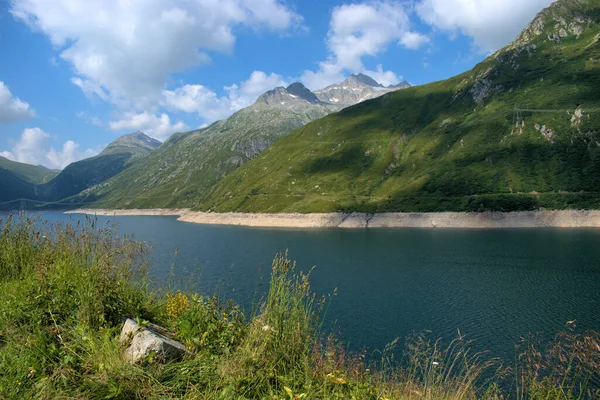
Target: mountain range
(520, 131)
(187, 166)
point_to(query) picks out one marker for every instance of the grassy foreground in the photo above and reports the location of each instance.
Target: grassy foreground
(64, 289)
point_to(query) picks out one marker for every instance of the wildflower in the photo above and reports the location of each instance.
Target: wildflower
(341, 381)
(266, 328)
(435, 363)
(31, 373)
(177, 304)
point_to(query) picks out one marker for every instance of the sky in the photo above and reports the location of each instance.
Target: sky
(75, 75)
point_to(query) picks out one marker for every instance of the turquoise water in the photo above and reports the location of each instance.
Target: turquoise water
(495, 286)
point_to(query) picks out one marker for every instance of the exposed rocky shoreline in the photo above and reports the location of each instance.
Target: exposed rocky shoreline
(487, 220)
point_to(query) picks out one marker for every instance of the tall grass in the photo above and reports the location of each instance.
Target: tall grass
(64, 289)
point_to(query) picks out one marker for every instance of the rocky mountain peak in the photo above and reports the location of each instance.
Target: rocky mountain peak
(294, 96)
(401, 85)
(298, 89)
(355, 89)
(137, 142)
(561, 20)
(363, 79)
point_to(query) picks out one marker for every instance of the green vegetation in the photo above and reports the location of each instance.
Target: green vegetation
(82, 175)
(38, 184)
(188, 165)
(28, 173)
(18, 180)
(454, 145)
(64, 289)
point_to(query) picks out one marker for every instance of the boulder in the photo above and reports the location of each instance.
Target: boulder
(141, 342)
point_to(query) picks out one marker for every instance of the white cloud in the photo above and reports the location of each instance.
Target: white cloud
(386, 78)
(248, 91)
(12, 108)
(90, 119)
(158, 127)
(125, 50)
(491, 24)
(206, 104)
(359, 30)
(33, 147)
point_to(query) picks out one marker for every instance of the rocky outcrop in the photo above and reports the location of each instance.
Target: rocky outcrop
(356, 89)
(252, 147)
(557, 22)
(149, 341)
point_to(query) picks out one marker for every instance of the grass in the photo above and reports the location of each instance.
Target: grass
(65, 288)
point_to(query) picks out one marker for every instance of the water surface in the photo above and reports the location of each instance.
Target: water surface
(495, 286)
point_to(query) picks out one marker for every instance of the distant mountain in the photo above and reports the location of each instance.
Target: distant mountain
(188, 165)
(87, 173)
(135, 171)
(18, 180)
(520, 131)
(34, 174)
(355, 89)
(137, 143)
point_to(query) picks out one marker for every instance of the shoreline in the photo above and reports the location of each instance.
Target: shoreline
(462, 220)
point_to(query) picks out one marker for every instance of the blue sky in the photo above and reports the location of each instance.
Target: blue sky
(75, 75)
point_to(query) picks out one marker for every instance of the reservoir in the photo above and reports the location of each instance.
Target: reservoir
(495, 286)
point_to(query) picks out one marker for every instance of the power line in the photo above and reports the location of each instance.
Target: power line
(532, 110)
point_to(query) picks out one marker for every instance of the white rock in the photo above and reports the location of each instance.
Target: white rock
(143, 341)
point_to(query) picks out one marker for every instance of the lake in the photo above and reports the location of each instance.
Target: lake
(495, 286)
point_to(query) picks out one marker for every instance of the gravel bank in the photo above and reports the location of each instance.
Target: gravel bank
(528, 219)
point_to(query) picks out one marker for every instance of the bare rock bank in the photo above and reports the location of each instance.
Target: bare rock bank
(486, 220)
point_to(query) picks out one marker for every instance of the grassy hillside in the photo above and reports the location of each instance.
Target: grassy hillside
(186, 167)
(451, 145)
(28, 173)
(64, 289)
(18, 180)
(90, 172)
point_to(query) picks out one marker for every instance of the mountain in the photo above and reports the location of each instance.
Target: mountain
(355, 89)
(188, 165)
(18, 180)
(136, 144)
(33, 174)
(520, 131)
(84, 174)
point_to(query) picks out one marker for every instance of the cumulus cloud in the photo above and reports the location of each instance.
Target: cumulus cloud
(208, 105)
(126, 50)
(34, 147)
(359, 30)
(12, 108)
(491, 24)
(156, 126)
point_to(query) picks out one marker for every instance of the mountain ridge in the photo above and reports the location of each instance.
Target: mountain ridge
(497, 137)
(355, 89)
(83, 174)
(188, 165)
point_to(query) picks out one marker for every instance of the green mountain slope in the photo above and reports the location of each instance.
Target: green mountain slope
(187, 166)
(18, 180)
(28, 173)
(457, 144)
(90, 172)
